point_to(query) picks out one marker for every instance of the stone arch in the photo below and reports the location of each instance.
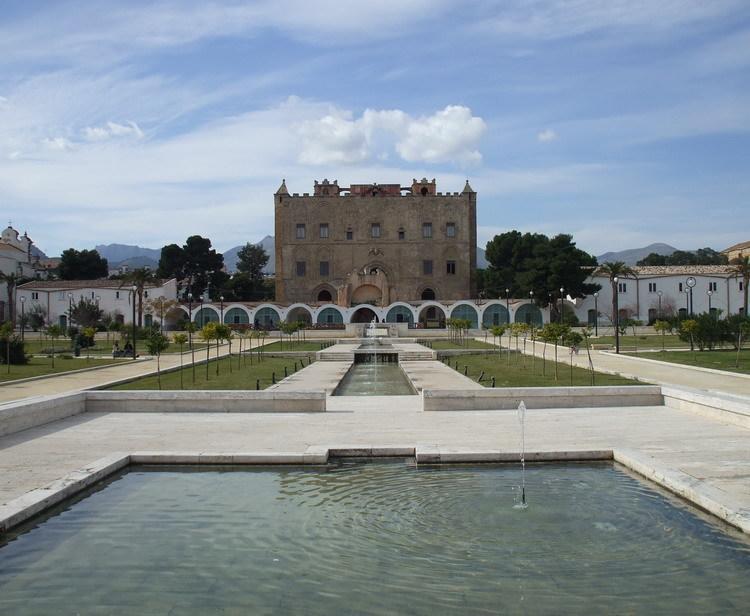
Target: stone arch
(495, 314)
(299, 313)
(366, 294)
(205, 315)
(466, 311)
(330, 315)
(400, 313)
(529, 313)
(236, 315)
(432, 315)
(174, 316)
(324, 294)
(266, 317)
(427, 294)
(364, 314)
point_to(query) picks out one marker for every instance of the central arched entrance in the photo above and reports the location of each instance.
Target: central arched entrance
(364, 315)
(366, 294)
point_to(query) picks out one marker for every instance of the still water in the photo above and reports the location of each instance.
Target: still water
(375, 379)
(374, 538)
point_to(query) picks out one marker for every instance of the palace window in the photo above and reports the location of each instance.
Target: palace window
(450, 229)
(324, 268)
(427, 230)
(712, 286)
(679, 287)
(427, 267)
(324, 231)
(300, 232)
(375, 230)
(301, 268)
(35, 295)
(450, 267)
(349, 234)
(652, 287)
(622, 287)
(401, 234)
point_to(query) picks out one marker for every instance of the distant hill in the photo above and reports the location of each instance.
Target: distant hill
(230, 256)
(117, 253)
(482, 262)
(35, 252)
(633, 255)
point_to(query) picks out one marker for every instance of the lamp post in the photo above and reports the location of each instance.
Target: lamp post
(70, 310)
(561, 304)
(134, 289)
(221, 304)
(507, 303)
(200, 314)
(616, 300)
(707, 293)
(23, 318)
(690, 282)
(596, 314)
(659, 293)
(190, 332)
(687, 303)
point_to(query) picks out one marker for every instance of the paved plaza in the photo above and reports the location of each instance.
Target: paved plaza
(708, 454)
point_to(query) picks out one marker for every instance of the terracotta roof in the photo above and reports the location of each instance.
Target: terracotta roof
(643, 271)
(736, 247)
(102, 283)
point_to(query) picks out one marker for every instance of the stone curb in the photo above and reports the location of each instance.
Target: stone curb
(689, 367)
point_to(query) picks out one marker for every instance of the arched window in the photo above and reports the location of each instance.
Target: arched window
(324, 296)
(424, 191)
(495, 314)
(399, 314)
(428, 294)
(330, 316)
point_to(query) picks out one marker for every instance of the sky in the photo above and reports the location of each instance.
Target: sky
(621, 122)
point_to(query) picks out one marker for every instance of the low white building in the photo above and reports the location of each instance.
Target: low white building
(665, 291)
(113, 297)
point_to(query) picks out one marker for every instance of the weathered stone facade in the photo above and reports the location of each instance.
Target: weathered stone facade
(375, 243)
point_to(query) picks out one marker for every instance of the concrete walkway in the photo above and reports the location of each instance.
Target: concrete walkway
(91, 379)
(649, 370)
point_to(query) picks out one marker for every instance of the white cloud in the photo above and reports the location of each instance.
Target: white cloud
(56, 143)
(449, 135)
(112, 129)
(546, 135)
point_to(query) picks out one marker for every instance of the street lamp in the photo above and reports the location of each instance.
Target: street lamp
(596, 314)
(709, 293)
(687, 303)
(190, 332)
(659, 293)
(133, 289)
(507, 302)
(200, 313)
(561, 305)
(616, 300)
(690, 282)
(221, 303)
(23, 319)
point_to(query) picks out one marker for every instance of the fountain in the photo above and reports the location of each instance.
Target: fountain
(522, 421)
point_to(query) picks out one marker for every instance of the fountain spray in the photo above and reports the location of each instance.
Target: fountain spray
(522, 420)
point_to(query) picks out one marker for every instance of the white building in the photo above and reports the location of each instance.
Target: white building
(15, 258)
(56, 297)
(665, 290)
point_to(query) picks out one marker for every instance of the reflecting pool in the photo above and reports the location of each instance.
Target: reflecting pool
(374, 538)
(375, 379)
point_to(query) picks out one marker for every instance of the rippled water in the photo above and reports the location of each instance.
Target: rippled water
(374, 379)
(375, 538)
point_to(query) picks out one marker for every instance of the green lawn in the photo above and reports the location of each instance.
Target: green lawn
(629, 342)
(523, 372)
(443, 345)
(242, 376)
(39, 366)
(303, 345)
(718, 360)
(102, 347)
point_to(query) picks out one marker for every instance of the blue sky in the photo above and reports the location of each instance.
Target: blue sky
(621, 122)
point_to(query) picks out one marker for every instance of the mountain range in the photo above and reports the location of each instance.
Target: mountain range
(138, 256)
(633, 255)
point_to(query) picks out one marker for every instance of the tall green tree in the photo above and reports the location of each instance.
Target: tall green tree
(11, 283)
(741, 267)
(702, 256)
(82, 265)
(86, 312)
(196, 264)
(171, 262)
(534, 262)
(140, 279)
(615, 269)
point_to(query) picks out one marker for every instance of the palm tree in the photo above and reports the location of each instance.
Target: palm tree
(140, 279)
(742, 268)
(11, 282)
(615, 269)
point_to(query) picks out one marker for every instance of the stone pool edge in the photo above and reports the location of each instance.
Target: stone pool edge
(691, 489)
